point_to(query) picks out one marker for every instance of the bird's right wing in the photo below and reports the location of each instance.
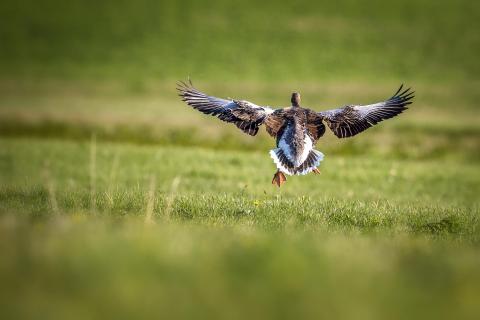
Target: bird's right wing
(352, 119)
(247, 116)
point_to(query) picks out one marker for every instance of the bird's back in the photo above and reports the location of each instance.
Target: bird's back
(293, 138)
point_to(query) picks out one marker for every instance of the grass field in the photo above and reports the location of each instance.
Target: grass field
(118, 201)
(121, 230)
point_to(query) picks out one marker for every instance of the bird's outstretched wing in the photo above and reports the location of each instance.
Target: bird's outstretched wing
(245, 115)
(352, 119)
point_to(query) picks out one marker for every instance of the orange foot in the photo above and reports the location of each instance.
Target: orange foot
(279, 178)
(316, 171)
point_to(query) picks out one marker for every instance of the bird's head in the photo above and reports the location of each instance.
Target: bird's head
(296, 99)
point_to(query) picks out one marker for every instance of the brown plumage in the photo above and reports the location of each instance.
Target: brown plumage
(295, 128)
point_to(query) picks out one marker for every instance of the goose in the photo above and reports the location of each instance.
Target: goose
(295, 128)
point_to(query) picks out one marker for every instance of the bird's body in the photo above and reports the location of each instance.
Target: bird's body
(295, 128)
(295, 153)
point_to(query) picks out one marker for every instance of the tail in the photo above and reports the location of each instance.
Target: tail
(313, 160)
(282, 162)
(285, 165)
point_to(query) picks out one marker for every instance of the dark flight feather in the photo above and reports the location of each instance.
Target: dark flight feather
(352, 119)
(245, 115)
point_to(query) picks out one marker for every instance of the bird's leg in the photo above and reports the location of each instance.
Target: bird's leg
(279, 178)
(316, 171)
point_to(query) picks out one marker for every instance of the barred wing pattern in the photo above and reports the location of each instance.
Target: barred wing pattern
(245, 115)
(275, 122)
(352, 119)
(315, 125)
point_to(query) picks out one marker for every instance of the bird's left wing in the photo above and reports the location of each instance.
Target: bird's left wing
(352, 119)
(245, 115)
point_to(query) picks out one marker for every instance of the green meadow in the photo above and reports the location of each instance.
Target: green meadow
(119, 201)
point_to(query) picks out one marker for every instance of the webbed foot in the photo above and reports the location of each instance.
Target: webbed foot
(279, 178)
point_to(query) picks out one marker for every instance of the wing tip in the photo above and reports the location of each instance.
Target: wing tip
(403, 96)
(183, 86)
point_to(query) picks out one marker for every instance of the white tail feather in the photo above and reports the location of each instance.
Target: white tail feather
(292, 171)
(278, 163)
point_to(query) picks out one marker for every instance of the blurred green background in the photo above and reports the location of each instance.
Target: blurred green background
(117, 200)
(242, 40)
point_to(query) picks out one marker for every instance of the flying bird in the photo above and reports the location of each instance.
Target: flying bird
(295, 128)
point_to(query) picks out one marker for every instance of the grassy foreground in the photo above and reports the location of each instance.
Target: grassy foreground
(118, 230)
